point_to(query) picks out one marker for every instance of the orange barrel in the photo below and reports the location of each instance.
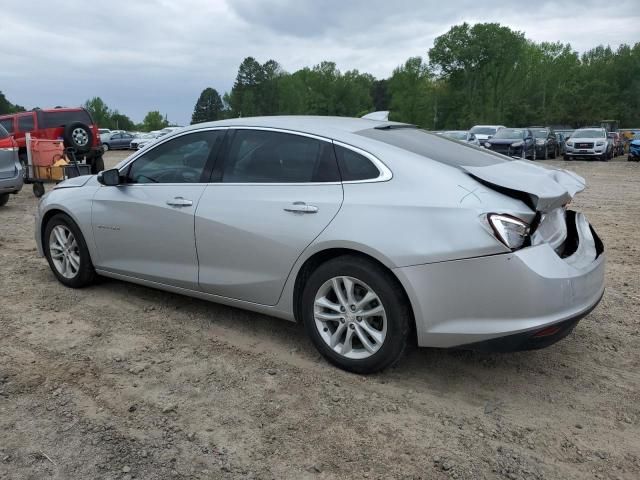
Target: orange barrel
(45, 153)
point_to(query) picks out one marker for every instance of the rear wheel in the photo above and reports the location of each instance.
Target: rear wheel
(4, 198)
(67, 252)
(356, 314)
(105, 147)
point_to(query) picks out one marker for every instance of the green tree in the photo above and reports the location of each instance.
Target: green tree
(154, 121)
(208, 108)
(7, 107)
(99, 112)
(120, 121)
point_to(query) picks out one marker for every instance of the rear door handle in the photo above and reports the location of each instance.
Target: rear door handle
(301, 207)
(179, 202)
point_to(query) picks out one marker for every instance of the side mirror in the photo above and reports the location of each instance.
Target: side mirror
(109, 178)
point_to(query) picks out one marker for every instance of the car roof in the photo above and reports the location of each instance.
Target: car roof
(331, 127)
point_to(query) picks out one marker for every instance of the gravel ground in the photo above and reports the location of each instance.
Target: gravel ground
(119, 381)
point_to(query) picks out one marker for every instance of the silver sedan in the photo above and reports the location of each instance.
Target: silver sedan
(365, 231)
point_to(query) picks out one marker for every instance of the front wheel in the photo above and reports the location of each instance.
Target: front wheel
(356, 314)
(97, 165)
(67, 252)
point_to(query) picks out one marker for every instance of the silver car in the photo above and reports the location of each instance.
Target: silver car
(366, 231)
(11, 173)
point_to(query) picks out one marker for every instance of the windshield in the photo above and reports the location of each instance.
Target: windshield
(429, 145)
(540, 133)
(588, 133)
(456, 135)
(510, 133)
(484, 130)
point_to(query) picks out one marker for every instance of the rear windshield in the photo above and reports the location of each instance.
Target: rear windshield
(435, 147)
(60, 119)
(509, 133)
(3, 133)
(456, 135)
(483, 130)
(540, 133)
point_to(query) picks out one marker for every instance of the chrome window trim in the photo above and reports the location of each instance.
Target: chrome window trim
(144, 151)
(385, 173)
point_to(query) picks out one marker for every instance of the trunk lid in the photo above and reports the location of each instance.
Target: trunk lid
(546, 188)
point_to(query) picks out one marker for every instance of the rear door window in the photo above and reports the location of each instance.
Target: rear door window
(25, 123)
(264, 156)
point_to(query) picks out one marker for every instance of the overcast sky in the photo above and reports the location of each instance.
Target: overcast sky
(141, 55)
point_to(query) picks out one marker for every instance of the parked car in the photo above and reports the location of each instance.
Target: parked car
(589, 143)
(634, 148)
(365, 231)
(546, 142)
(118, 141)
(104, 133)
(513, 142)
(11, 175)
(618, 144)
(485, 132)
(142, 141)
(560, 139)
(74, 125)
(461, 136)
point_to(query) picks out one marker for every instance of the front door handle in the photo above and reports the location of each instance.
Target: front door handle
(179, 202)
(301, 207)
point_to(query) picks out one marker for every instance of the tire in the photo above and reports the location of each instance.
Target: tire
(566, 158)
(4, 198)
(38, 189)
(75, 277)
(97, 165)
(79, 136)
(105, 147)
(391, 328)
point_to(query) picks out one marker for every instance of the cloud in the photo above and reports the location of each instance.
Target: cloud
(159, 54)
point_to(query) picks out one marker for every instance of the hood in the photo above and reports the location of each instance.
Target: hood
(547, 188)
(75, 182)
(504, 141)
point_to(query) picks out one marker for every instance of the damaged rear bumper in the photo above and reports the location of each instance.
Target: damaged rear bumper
(508, 301)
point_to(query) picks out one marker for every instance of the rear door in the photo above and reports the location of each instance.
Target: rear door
(144, 228)
(275, 193)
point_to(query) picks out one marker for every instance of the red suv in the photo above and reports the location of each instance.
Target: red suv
(73, 125)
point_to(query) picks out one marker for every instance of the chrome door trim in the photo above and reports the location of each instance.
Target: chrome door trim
(143, 151)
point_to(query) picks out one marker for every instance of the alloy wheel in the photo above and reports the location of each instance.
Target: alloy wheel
(350, 317)
(80, 137)
(64, 251)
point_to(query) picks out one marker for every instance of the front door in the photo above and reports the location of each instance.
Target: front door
(145, 227)
(275, 194)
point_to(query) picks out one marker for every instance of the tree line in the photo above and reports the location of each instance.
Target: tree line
(473, 74)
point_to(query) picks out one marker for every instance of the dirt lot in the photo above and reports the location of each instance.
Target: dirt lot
(119, 381)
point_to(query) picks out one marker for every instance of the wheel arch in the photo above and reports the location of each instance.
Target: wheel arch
(323, 256)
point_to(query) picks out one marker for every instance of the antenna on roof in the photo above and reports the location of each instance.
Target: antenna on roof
(382, 116)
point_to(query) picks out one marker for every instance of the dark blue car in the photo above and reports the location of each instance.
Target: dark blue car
(513, 142)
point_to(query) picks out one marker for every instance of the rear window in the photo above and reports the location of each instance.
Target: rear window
(435, 147)
(354, 167)
(7, 124)
(63, 118)
(3, 133)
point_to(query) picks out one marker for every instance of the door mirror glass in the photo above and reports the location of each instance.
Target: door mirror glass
(110, 178)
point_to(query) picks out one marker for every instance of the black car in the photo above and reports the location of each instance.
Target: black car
(546, 143)
(561, 139)
(513, 142)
